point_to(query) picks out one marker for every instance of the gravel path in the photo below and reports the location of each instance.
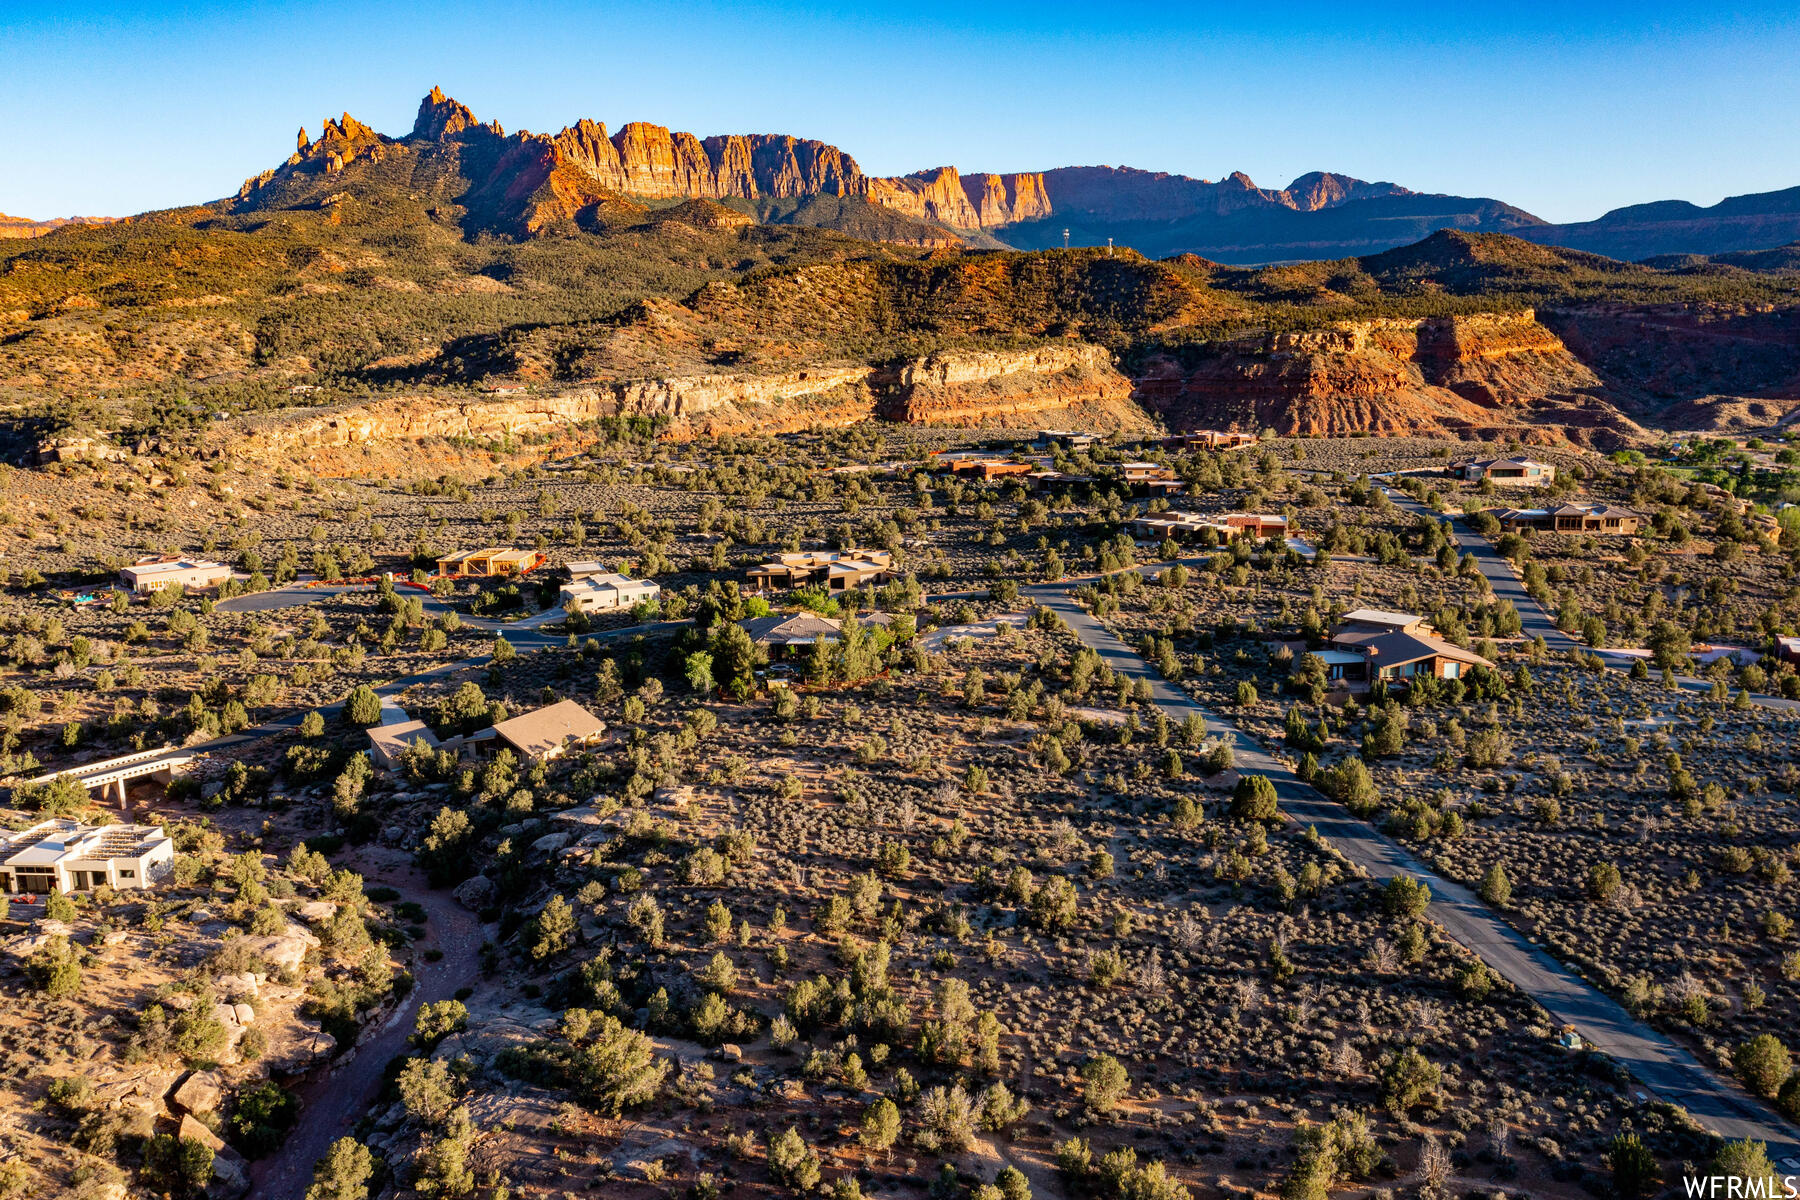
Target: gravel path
(336, 1099)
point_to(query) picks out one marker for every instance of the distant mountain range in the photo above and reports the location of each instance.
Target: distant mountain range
(524, 183)
(25, 227)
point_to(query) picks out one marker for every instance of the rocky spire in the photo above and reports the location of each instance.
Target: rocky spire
(441, 118)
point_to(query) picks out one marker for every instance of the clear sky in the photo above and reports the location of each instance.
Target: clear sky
(1566, 109)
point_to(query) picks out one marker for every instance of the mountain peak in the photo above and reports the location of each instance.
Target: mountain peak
(441, 117)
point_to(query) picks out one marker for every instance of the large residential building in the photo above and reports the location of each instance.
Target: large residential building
(490, 562)
(1570, 518)
(781, 632)
(1393, 647)
(1397, 657)
(1068, 439)
(1364, 621)
(1150, 479)
(61, 855)
(1210, 439)
(605, 592)
(1182, 526)
(838, 570)
(539, 736)
(1509, 472)
(155, 574)
(991, 468)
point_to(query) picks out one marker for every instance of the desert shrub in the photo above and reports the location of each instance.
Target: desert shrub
(792, 1162)
(1763, 1064)
(262, 1116)
(1104, 1082)
(1254, 799)
(1408, 1080)
(1405, 898)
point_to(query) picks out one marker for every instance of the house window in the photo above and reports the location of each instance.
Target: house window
(1452, 670)
(127, 873)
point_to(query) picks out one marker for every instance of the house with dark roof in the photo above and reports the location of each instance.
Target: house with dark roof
(1395, 657)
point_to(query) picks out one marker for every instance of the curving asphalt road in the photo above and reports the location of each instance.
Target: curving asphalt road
(1652, 1058)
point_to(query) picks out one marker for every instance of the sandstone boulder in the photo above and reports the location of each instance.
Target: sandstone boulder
(190, 1128)
(199, 1092)
(285, 950)
(475, 893)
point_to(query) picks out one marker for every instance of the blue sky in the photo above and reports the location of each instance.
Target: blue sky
(1564, 109)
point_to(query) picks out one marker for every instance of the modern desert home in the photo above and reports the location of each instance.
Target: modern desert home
(61, 855)
(1210, 439)
(1068, 439)
(1150, 479)
(782, 632)
(1395, 647)
(991, 468)
(1571, 518)
(1184, 526)
(606, 591)
(155, 574)
(539, 736)
(493, 561)
(838, 570)
(1258, 525)
(1510, 472)
(1397, 657)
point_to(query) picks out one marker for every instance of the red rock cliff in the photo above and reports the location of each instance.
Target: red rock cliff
(1443, 376)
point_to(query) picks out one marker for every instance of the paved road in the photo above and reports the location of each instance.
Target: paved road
(335, 1100)
(1534, 620)
(524, 640)
(1652, 1058)
(295, 595)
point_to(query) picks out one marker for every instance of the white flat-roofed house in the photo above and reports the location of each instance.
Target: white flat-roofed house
(66, 856)
(603, 592)
(155, 574)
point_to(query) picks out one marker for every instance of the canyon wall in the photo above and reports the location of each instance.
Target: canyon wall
(1450, 376)
(1058, 382)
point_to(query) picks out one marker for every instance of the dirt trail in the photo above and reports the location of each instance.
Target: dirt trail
(334, 1100)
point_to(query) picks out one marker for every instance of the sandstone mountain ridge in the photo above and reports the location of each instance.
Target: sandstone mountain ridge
(523, 182)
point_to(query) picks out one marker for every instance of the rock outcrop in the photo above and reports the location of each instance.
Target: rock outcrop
(1071, 379)
(1452, 376)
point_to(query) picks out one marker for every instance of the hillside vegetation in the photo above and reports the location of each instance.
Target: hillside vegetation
(336, 286)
